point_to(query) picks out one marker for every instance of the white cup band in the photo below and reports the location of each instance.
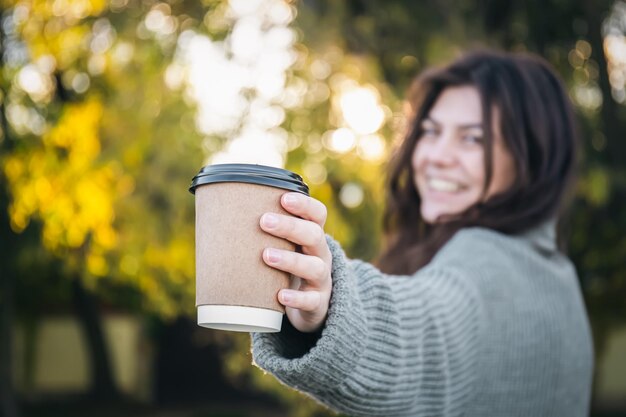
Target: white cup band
(239, 318)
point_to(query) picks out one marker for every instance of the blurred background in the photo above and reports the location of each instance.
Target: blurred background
(109, 108)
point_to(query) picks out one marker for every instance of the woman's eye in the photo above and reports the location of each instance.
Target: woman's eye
(473, 139)
(429, 132)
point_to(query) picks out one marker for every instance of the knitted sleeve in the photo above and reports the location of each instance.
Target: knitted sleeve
(391, 345)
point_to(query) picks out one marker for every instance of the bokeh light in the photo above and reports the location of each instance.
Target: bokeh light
(371, 148)
(341, 140)
(615, 50)
(351, 195)
(239, 84)
(361, 109)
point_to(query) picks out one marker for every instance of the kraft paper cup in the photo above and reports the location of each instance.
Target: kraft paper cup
(235, 289)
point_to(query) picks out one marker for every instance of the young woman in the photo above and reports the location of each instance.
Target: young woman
(473, 310)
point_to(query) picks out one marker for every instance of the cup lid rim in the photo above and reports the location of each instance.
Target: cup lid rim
(249, 173)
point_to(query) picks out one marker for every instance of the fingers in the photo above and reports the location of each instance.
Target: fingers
(311, 269)
(304, 206)
(308, 298)
(301, 232)
(307, 301)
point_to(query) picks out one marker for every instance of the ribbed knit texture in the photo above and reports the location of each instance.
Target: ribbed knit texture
(493, 326)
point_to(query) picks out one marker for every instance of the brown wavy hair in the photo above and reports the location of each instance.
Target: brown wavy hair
(536, 121)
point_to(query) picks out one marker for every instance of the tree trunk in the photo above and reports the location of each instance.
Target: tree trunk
(8, 401)
(103, 386)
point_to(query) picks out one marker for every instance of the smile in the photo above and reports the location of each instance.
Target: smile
(438, 184)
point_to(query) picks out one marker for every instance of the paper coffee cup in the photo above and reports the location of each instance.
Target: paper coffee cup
(235, 289)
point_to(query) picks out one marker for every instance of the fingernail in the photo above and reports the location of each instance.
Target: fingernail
(286, 296)
(269, 220)
(290, 200)
(272, 255)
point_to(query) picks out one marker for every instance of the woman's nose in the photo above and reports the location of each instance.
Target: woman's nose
(441, 151)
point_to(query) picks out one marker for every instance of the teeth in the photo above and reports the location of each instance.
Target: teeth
(443, 185)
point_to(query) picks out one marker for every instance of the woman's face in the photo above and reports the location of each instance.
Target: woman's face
(448, 160)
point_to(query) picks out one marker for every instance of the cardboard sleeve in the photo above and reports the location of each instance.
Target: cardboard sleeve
(229, 245)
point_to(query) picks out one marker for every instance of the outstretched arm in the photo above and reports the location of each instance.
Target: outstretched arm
(390, 346)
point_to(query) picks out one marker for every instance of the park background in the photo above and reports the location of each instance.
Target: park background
(109, 108)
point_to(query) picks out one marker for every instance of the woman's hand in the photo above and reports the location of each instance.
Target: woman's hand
(307, 305)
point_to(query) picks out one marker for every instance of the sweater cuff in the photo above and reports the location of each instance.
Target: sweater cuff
(319, 362)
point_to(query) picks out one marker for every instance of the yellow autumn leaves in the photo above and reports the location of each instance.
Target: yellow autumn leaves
(62, 184)
(65, 184)
(56, 27)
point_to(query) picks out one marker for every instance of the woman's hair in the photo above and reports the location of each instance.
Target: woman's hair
(526, 98)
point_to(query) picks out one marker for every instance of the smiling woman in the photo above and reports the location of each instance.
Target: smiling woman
(474, 310)
(449, 157)
(491, 143)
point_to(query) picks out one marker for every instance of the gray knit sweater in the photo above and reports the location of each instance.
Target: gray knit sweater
(494, 326)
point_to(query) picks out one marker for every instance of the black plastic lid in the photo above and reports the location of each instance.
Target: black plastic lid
(252, 174)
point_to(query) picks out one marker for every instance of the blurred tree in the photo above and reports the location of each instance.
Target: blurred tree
(87, 158)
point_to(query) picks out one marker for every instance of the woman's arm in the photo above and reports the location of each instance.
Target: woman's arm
(391, 346)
